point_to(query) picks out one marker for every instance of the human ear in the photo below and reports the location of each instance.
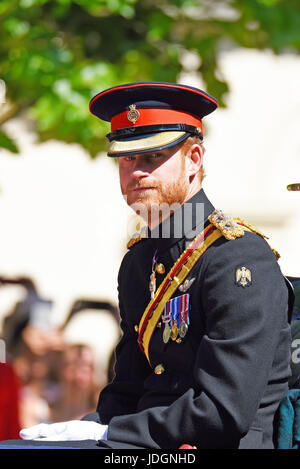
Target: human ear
(194, 159)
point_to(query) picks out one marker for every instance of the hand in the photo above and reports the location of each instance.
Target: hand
(65, 431)
(41, 341)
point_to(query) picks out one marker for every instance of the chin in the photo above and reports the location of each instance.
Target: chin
(146, 198)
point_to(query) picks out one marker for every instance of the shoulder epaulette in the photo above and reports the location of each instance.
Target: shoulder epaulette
(228, 226)
(232, 228)
(136, 238)
(252, 228)
(255, 230)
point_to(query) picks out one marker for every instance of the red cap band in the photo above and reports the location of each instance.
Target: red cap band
(153, 117)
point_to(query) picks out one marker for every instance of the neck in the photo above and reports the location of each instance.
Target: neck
(194, 187)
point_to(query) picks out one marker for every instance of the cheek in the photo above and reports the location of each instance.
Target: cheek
(170, 173)
(167, 170)
(123, 175)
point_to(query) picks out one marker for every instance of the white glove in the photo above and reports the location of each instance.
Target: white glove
(65, 431)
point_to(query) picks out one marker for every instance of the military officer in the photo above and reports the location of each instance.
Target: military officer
(205, 351)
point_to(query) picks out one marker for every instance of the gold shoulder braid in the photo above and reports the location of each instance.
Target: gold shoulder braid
(229, 228)
(136, 238)
(232, 228)
(252, 228)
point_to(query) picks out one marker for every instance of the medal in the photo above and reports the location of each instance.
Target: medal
(183, 328)
(160, 269)
(174, 331)
(166, 333)
(166, 319)
(152, 283)
(184, 317)
(176, 318)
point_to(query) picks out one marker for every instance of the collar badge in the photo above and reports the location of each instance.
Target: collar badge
(243, 277)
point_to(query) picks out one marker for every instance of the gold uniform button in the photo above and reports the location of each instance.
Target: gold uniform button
(136, 328)
(159, 369)
(160, 269)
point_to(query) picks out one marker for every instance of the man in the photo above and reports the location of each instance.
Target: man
(204, 356)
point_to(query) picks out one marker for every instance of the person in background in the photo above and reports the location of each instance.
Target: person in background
(76, 388)
(31, 346)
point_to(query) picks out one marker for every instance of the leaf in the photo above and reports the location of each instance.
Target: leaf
(55, 55)
(7, 143)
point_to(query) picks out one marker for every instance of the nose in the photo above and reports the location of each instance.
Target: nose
(140, 168)
(139, 173)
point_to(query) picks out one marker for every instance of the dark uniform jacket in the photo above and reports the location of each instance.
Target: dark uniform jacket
(222, 385)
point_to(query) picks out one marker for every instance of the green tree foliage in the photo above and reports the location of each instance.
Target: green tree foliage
(56, 54)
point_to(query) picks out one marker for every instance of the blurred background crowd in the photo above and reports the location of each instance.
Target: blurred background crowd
(64, 225)
(49, 375)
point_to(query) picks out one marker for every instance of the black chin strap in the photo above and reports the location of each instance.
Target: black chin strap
(149, 129)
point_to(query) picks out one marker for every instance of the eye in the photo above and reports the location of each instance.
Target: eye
(129, 158)
(156, 155)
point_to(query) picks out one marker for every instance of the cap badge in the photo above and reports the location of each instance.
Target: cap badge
(133, 114)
